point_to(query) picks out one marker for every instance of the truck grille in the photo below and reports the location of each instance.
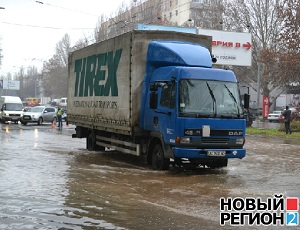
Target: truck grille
(215, 140)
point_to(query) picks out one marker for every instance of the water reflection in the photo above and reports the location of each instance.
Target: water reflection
(32, 182)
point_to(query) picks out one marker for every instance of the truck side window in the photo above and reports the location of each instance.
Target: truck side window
(168, 96)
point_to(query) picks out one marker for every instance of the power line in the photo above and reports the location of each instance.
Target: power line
(45, 27)
(60, 7)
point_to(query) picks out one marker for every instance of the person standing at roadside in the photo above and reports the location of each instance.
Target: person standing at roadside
(287, 120)
(59, 117)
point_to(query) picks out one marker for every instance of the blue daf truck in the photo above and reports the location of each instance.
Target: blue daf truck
(155, 93)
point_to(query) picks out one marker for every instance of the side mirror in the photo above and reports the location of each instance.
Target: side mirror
(153, 100)
(246, 101)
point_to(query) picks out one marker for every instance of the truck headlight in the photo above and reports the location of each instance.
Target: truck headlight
(183, 140)
(7, 114)
(240, 141)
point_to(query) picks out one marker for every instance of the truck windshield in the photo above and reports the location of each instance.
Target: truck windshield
(13, 107)
(205, 98)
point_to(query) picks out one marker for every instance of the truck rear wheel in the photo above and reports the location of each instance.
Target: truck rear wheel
(159, 162)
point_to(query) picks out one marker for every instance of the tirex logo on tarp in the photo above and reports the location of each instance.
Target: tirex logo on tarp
(96, 75)
(230, 48)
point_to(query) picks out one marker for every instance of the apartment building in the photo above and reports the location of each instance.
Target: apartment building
(187, 13)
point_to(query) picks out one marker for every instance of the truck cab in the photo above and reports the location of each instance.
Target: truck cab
(193, 109)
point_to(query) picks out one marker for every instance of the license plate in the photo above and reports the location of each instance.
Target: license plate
(26, 118)
(216, 153)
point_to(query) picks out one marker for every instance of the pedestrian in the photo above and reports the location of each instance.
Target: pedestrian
(59, 117)
(287, 120)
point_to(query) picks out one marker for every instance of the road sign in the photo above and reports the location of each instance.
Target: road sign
(13, 85)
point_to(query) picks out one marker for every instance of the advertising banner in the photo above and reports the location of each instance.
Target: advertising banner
(12, 85)
(265, 106)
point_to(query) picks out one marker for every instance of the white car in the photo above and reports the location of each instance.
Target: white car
(63, 102)
(39, 114)
(274, 116)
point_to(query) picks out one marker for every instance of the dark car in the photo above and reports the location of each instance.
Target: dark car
(39, 114)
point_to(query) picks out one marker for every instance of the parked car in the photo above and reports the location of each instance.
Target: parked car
(39, 114)
(63, 102)
(55, 102)
(274, 116)
(294, 116)
(64, 115)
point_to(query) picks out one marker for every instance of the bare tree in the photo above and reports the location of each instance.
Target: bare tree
(260, 17)
(54, 73)
(208, 16)
(29, 82)
(101, 30)
(81, 43)
(63, 48)
(1, 56)
(289, 42)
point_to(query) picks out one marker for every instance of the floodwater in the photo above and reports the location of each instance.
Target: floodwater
(50, 181)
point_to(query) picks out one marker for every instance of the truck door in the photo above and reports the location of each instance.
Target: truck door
(166, 112)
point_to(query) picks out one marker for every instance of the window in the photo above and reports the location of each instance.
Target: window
(49, 109)
(168, 96)
(209, 97)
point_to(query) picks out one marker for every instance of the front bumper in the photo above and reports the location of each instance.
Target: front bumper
(32, 119)
(203, 153)
(12, 118)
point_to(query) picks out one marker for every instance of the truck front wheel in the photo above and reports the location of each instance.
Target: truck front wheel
(91, 143)
(159, 162)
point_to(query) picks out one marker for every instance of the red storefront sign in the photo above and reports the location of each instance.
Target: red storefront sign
(247, 45)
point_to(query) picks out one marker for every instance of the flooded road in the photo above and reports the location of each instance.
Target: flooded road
(50, 181)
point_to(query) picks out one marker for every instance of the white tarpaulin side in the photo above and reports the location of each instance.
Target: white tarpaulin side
(105, 79)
